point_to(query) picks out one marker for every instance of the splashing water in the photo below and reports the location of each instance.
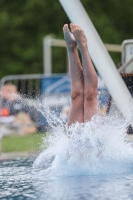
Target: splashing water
(95, 147)
(66, 169)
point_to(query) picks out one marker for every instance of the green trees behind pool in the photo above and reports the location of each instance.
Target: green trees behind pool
(23, 24)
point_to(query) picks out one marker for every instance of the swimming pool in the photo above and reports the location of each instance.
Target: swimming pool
(17, 181)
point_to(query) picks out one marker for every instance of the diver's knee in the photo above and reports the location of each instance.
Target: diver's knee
(77, 93)
(90, 93)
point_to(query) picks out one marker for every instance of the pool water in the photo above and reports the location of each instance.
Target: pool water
(17, 181)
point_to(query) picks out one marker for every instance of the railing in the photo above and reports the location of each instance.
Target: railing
(43, 87)
(127, 67)
(30, 84)
(50, 41)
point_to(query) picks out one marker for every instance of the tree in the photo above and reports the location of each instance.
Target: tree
(25, 23)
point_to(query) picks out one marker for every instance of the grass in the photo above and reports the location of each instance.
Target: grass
(23, 143)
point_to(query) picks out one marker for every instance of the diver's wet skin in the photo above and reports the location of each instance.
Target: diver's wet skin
(79, 36)
(69, 38)
(84, 102)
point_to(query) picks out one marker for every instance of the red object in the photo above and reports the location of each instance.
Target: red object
(4, 112)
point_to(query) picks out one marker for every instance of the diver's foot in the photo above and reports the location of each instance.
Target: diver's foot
(79, 37)
(69, 38)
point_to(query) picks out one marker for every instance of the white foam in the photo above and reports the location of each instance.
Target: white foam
(96, 147)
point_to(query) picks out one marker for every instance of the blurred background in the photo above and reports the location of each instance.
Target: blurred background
(23, 24)
(23, 27)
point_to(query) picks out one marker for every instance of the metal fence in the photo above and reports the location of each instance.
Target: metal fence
(32, 85)
(53, 90)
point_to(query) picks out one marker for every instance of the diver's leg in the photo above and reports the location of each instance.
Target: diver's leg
(77, 98)
(90, 77)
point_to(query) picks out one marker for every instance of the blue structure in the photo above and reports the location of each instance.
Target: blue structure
(61, 84)
(56, 84)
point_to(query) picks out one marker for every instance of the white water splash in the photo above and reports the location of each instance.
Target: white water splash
(96, 147)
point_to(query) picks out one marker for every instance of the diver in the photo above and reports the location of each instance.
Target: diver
(84, 101)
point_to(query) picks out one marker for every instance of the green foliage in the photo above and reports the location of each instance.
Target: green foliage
(113, 21)
(22, 28)
(23, 24)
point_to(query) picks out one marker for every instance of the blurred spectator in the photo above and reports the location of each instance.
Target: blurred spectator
(14, 114)
(10, 100)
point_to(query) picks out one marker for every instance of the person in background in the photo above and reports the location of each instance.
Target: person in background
(10, 100)
(14, 113)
